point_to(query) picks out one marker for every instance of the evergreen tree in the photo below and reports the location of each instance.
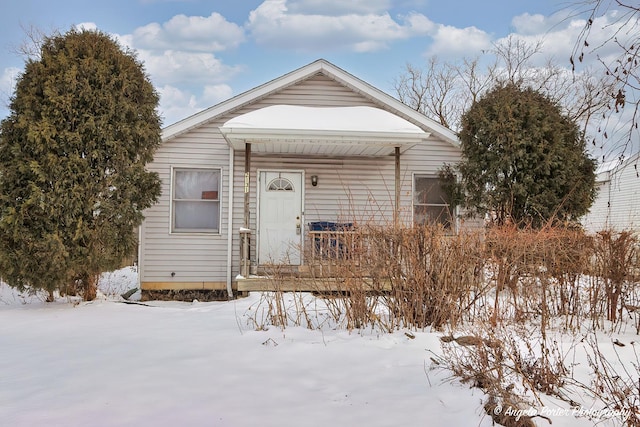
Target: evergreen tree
(523, 160)
(83, 123)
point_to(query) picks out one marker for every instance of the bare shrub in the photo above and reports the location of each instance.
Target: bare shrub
(616, 272)
(508, 363)
(267, 312)
(424, 276)
(614, 384)
(393, 277)
(541, 268)
(277, 307)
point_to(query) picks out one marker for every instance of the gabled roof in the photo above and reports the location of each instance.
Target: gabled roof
(383, 100)
(605, 170)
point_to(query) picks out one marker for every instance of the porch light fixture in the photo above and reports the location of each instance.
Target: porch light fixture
(314, 180)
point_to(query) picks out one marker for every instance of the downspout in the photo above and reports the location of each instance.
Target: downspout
(139, 266)
(230, 225)
(396, 211)
(607, 223)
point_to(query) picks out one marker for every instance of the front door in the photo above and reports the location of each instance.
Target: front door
(280, 218)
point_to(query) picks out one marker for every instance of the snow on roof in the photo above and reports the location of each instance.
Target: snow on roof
(607, 166)
(350, 119)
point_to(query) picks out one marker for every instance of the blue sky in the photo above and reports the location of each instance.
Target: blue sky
(200, 52)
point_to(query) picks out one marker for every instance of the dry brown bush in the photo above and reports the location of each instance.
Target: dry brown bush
(394, 277)
(432, 278)
(615, 272)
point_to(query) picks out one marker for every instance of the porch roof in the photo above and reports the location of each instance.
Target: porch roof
(334, 131)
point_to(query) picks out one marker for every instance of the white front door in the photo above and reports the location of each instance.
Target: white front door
(280, 218)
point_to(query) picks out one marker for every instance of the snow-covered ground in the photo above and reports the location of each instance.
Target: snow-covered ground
(108, 363)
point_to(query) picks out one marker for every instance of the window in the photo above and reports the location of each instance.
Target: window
(196, 200)
(280, 184)
(430, 202)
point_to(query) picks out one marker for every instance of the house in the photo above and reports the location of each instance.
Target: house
(249, 182)
(617, 204)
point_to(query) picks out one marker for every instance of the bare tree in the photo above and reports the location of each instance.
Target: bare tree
(29, 49)
(474, 80)
(581, 95)
(514, 59)
(34, 38)
(429, 90)
(623, 67)
(444, 91)
(411, 87)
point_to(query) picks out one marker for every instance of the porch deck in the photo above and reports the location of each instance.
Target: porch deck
(320, 271)
(301, 284)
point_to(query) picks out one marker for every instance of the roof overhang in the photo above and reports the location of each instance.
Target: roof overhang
(328, 131)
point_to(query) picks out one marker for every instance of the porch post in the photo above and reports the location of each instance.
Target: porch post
(247, 181)
(230, 224)
(396, 208)
(247, 218)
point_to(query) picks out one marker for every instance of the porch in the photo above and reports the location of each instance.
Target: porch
(273, 239)
(330, 249)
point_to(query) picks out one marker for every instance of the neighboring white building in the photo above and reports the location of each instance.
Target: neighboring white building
(316, 145)
(617, 204)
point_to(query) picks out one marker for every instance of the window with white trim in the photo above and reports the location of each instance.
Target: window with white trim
(430, 202)
(196, 200)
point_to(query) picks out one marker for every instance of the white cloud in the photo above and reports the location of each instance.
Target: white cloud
(607, 28)
(86, 26)
(171, 67)
(191, 33)
(458, 42)
(419, 24)
(177, 104)
(537, 24)
(7, 86)
(559, 34)
(213, 94)
(182, 50)
(273, 24)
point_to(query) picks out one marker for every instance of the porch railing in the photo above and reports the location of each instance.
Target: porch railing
(328, 245)
(331, 240)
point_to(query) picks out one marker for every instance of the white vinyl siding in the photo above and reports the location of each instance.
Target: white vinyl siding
(193, 257)
(617, 204)
(598, 217)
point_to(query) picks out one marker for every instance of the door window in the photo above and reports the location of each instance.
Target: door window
(280, 184)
